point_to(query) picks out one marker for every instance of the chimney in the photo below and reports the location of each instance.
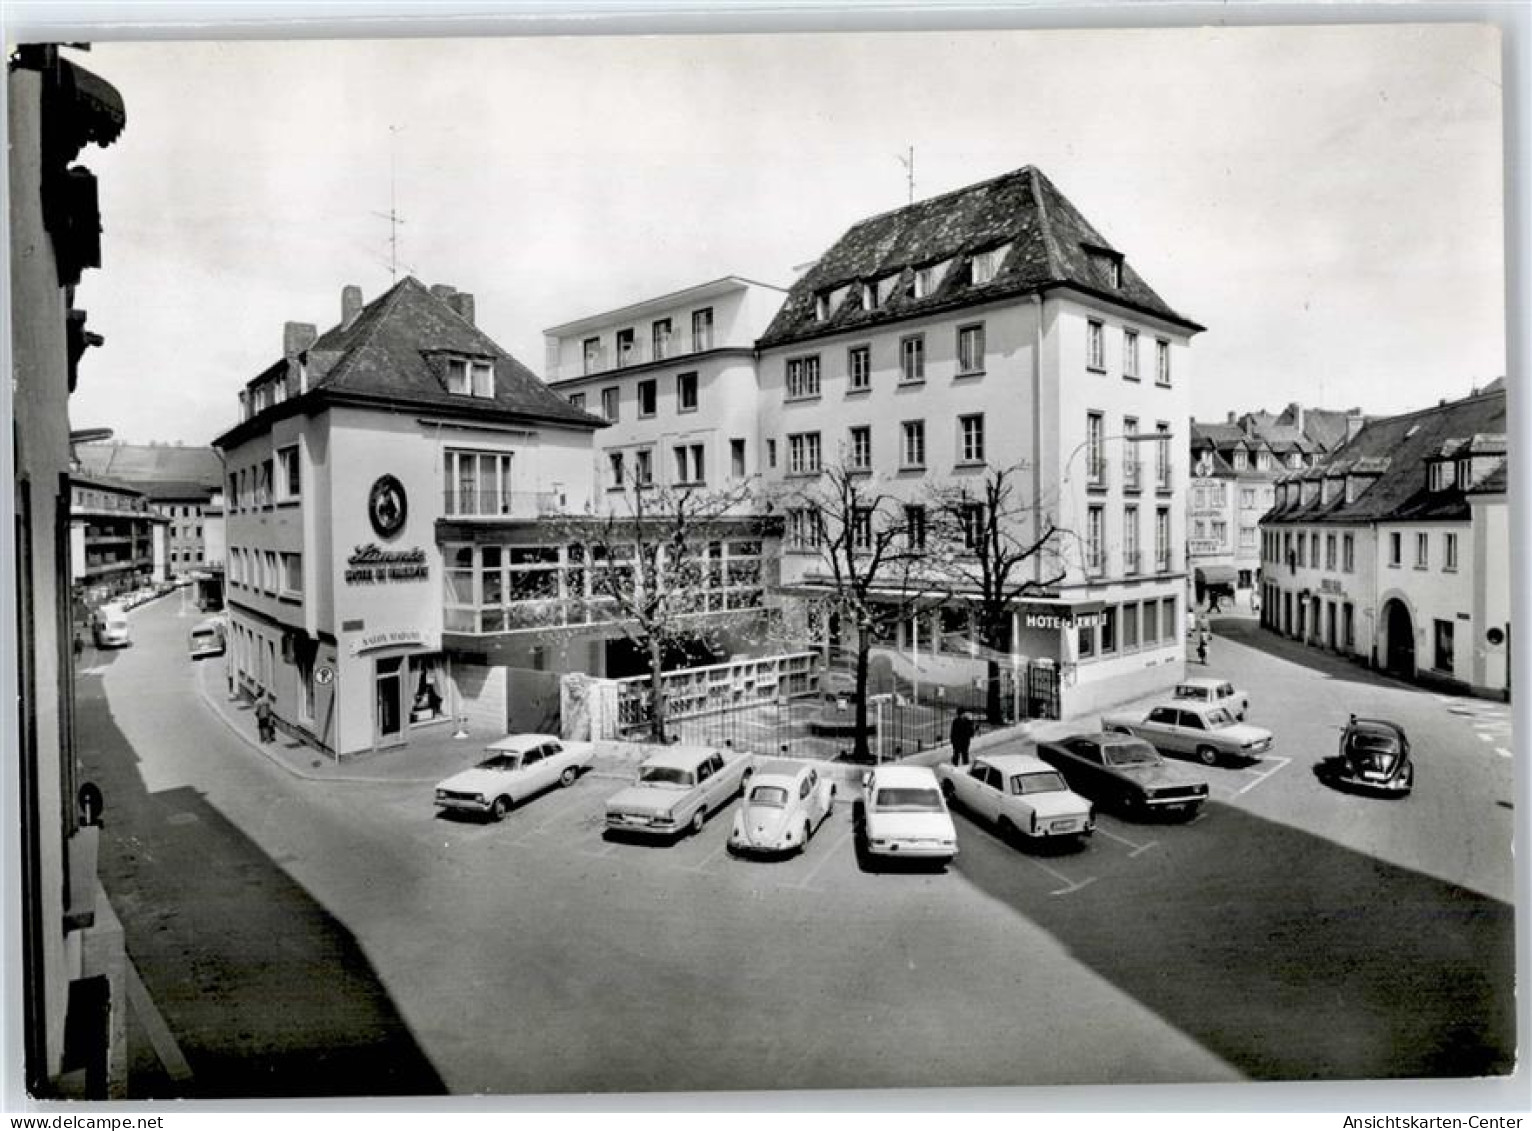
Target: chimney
(350, 304)
(1354, 422)
(462, 302)
(297, 337)
(1296, 410)
(1231, 416)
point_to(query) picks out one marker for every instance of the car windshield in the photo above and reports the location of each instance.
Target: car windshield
(1218, 717)
(773, 795)
(909, 799)
(1190, 691)
(663, 775)
(1131, 754)
(501, 761)
(1049, 782)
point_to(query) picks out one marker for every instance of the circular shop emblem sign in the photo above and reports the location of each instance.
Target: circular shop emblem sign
(386, 506)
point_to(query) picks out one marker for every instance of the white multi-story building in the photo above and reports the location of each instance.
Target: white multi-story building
(1396, 549)
(387, 489)
(675, 379)
(993, 327)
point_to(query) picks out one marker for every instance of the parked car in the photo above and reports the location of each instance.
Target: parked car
(1215, 693)
(783, 805)
(677, 789)
(1374, 755)
(207, 639)
(1118, 769)
(1193, 729)
(902, 814)
(1018, 793)
(518, 766)
(109, 626)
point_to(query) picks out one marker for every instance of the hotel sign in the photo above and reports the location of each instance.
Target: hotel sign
(371, 564)
(1044, 617)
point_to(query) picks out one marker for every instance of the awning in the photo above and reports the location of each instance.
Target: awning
(1217, 576)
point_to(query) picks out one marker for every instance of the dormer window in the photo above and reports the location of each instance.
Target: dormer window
(986, 264)
(1441, 475)
(1241, 461)
(1464, 473)
(927, 279)
(1114, 273)
(469, 378)
(1263, 461)
(870, 298)
(822, 307)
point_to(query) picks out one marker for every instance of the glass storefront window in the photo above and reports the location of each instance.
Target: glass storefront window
(427, 688)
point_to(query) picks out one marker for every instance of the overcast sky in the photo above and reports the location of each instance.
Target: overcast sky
(1327, 201)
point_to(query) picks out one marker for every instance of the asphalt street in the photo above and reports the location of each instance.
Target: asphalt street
(303, 937)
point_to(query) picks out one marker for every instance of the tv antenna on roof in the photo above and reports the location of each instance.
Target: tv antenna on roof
(392, 215)
(908, 161)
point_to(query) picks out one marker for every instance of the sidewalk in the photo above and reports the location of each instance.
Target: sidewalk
(433, 754)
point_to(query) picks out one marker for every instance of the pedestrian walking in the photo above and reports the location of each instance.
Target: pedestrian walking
(264, 724)
(962, 735)
(1202, 647)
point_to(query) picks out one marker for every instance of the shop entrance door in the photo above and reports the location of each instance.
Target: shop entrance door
(388, 703)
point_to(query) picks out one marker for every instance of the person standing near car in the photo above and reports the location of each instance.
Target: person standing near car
(962, 735)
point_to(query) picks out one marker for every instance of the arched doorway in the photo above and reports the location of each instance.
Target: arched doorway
(1399, 630)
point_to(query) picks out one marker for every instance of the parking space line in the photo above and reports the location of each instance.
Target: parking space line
(1069, 884)
(1283, 763)
(824, 859)
(1134, 845)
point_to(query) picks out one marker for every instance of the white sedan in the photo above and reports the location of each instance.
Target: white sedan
(784, 803)
(903, 815)
(1018, 793)
(517, 767)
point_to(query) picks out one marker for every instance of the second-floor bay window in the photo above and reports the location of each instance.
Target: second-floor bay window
(803, 377)
(478, 483)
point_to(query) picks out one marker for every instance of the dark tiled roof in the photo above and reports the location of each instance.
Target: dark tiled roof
(1398, 449)
(1052, 244)
(1325, 427)
(177, 490)
(89, 479)
(144, 464)
(1221, 436)
(394, 353)
(392, 349)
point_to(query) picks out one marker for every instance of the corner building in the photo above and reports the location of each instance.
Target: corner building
(360, 454)
(995, 327)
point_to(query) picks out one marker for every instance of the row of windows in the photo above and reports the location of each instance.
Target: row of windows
(917, 283)
(500, 588)
(266, 483)
(648, 391)
(1128, 627)
(1095, 353)
(278, 574)
(805, 450)
(802, 373)
(1095, 552)
(177, 557)
(1097, 466)
(86, 499)
(807, 528)
(664, 342)
(1304, 550)
(688, 465)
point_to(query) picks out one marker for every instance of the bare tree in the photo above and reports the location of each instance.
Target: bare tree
(872, 565)
(649, 563)
(998, 547)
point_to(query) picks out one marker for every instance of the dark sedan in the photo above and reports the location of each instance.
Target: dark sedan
(1375, 756)
(1117, 769)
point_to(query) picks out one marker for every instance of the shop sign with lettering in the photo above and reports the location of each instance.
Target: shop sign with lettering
(371, 564)
(1062, 619)
(392, 639)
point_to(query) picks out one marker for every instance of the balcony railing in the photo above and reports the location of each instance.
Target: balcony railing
(609, 358)
(471, 502)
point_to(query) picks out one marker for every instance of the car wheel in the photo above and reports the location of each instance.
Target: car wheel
(1207, 755)
(500, 808)
(699, 818)
(567, 778)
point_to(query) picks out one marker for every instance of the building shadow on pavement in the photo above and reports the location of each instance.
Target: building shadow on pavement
(1289, 956)
(263, 990)
(1335, 666)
